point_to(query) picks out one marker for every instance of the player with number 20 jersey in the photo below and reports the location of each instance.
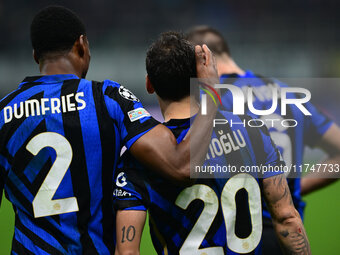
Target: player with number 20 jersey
(220, 214)
(213, 216)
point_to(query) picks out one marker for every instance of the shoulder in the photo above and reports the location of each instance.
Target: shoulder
(269, 81)
(110, 84)
(234, 119)
(107, 89)
(106, 85)
(117, 91)
(6, 99)
(244, 123)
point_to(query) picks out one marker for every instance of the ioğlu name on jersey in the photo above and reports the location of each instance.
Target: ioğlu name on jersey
(225, 144)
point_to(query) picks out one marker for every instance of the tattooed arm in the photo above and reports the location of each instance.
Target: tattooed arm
(129, 228)
(286, 220)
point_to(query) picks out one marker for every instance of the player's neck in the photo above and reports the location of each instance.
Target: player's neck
(60, 65)
(226, 65)
(183, 109)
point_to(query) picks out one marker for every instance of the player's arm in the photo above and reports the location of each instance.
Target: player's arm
(130, 200)
(129, 229)
(286, 220)
(158, 148)
(330, 143)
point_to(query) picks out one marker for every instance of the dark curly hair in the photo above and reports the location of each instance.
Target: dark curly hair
(170, 63)
(55, 29)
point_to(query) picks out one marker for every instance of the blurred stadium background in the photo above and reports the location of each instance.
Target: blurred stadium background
(284, 39)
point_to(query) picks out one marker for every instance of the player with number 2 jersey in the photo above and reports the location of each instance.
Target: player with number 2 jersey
(60, 140)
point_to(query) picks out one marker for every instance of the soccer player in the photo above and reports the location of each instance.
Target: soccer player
(313, 131)
(60, 139)
(211, 216)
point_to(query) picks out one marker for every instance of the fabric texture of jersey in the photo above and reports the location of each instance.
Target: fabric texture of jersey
(172, 226)
(290, 141)
(60, 139)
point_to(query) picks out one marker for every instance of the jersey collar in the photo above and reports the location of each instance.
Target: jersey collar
(56, 78)
(178, 122)
(248, 74)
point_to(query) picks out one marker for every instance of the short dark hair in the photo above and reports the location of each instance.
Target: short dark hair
(55, 29)
(211, 37)
(170, 63)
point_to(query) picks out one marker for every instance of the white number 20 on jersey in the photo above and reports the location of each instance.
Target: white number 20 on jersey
(208, 196)
(43, 205)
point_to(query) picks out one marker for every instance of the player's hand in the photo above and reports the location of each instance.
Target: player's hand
(206, 65)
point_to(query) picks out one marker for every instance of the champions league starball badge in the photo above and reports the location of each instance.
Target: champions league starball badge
(127, 94)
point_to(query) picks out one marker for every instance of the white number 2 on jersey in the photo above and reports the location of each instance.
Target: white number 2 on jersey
(43, 205)
(208, 196)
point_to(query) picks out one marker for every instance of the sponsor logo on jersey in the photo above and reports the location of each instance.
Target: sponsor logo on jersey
(121, 193)
(121, 180)
(138, 114)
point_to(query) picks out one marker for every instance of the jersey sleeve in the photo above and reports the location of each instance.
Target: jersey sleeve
(130, 192)
(316, 125)
(127, 112)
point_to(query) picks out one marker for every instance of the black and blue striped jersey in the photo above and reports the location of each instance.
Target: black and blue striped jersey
(213, 215)
(60, 140)
(291, 141)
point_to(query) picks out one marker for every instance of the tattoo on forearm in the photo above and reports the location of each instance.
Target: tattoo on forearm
(292, 234)
(284, 233)
(297, 242)
(280, 185)
(129, 235)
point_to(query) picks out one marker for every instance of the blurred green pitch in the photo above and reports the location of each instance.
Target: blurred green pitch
(322, 221)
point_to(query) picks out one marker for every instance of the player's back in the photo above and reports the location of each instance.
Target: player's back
(214, 215)
(290, 139)
(58, 153)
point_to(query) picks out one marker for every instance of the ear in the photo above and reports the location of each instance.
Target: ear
(80, 46)
(36, 59)
(149, 87)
